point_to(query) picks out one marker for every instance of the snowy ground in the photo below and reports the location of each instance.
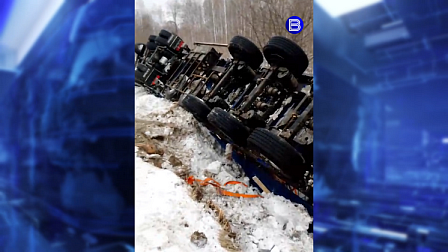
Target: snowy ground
(169, 211)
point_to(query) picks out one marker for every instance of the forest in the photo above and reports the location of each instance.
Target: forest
(219, 20)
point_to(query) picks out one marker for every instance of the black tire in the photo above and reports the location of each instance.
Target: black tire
(151, 46)
(282, 52)
(152, 38)
(140, 71)
(142, 68)
(228, 126)
(137, 49)
(278, 151)
(196, 107)
(245, 50)
(161, 41)
(165, 34)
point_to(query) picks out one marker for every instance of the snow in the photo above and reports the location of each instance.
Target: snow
(214, 167)
(167, 215)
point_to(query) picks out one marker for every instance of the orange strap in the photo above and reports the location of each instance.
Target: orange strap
(210, 181)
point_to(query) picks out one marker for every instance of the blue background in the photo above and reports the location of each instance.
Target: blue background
(381, 114)
(66, 133)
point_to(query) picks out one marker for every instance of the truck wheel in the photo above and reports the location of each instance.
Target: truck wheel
(228, 127)
(152, 38)
(161, 41)
(140, 49)
(151, 46)
(165, 34)
(196, 107)
(282, 52)
(278, 151)
(245, 50)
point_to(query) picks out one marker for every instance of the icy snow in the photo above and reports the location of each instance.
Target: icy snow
(214, 167)
(167, 216)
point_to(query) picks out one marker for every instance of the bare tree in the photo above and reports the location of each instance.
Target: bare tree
(174, 11)
(220, 20)
(144, 23)
(225, 17)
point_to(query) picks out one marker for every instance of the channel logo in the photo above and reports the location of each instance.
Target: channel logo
(294, 25)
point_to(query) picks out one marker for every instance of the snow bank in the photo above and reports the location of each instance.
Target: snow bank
(163, 205)
(166, 216)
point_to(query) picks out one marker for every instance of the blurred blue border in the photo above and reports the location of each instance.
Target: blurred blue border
(67, 134)
(5, 8)
(381, 128)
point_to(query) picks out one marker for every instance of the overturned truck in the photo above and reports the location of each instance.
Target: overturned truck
(264, 112)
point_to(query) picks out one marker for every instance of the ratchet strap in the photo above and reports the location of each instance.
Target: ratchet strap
(217, 185)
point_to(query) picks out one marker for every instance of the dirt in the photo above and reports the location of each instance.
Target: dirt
(157, 147)
(149, 145)
(199, 239)
(226, 236)
(174, 161)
